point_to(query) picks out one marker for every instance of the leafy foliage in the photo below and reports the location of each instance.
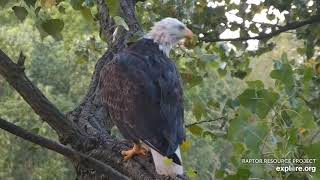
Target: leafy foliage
(243, 99)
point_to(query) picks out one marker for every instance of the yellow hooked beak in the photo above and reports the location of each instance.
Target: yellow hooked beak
(188, 34)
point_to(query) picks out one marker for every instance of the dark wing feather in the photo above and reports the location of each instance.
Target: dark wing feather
(143, 93)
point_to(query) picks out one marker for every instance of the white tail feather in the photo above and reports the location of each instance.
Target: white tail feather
(164, 169)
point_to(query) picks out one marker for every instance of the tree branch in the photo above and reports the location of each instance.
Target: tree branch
(108, 27)
(205, 121)
(90, 115)
(14, 74)
(63, 150)
(106, 23)
(281, 29)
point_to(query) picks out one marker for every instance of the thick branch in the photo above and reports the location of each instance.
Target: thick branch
(63, 150)
(106, 23)
(108, 27)
(90, 115)
(281, 29)
(16, 77)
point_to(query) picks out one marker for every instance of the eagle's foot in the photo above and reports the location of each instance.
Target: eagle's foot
(136, 150)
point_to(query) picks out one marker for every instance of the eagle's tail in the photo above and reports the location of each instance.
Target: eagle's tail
(172, 169)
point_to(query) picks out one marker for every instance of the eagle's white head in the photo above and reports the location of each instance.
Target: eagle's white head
(167, 33)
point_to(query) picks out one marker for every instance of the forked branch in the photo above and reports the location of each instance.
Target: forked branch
(14, 74)
(73, 155)
(262, 35)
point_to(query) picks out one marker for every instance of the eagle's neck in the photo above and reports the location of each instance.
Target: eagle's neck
(165, 41)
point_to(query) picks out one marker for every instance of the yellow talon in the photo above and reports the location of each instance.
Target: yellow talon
(136, 150)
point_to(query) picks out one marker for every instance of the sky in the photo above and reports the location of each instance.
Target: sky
(261, 17)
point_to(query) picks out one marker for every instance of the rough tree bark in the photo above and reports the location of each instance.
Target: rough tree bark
(95, 154)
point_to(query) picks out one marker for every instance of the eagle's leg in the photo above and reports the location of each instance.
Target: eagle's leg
(136, 150)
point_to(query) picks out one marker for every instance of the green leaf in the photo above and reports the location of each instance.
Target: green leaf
(213, 103)
(30, 2)
(271, 16)
(81, 61)
(234, 27)
(255, 84)
(120, 22)
(308, 73)
(313, 152)
(103, 37)
(303, 117)
(292, 136)
(20, 12)
(37, 10)
(235, 130)
(53, 27)
(89, 3)
(233, 103)
(209, 134)
(242, 174)
(191, 173)
(167, 161)
(219, 174)
(196, 130)
(198, 110)
(301, 51)
(186, 146)
(284, 58)
(208, 57)
(222, 72)
(240, 74)
(86, 13)
(219, 11)
(3, 2)
(239, 148)
(310, 49)
(191, 79)
(284, 74)
(213, 64)
(76, 4)
(258, 101)
(114, 7)
(245, 128)
(35, 130)
(253, 28)
(62, 9)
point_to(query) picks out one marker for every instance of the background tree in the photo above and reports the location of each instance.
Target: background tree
(251, 86)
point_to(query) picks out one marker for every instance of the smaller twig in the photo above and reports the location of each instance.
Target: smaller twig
(289, 32)
(268, 24)
(290, 26)
(223, 124)
(205, 121)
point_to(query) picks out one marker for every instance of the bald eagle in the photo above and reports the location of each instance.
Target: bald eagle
(142, 90)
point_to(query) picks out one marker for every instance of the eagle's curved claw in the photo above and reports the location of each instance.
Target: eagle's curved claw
(136, 150)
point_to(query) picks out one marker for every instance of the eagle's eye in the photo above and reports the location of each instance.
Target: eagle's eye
(180, 27)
